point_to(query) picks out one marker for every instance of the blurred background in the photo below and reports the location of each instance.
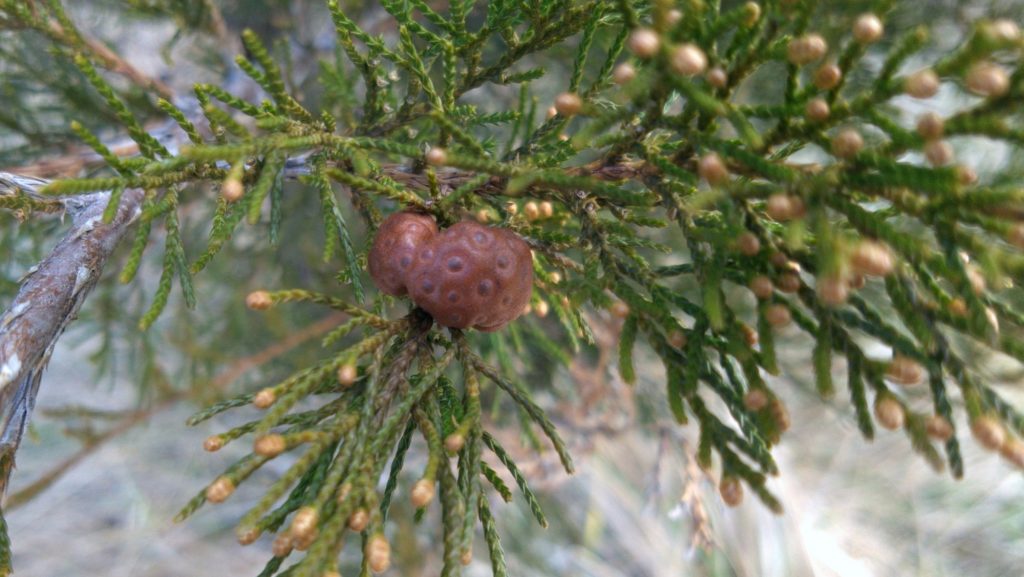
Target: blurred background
(109, 461)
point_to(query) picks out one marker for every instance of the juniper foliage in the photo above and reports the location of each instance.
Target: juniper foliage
(657, 187)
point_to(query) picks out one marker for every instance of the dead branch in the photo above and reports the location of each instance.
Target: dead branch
(49, 299)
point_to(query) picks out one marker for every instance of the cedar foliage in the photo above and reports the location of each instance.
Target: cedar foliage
(845, 222)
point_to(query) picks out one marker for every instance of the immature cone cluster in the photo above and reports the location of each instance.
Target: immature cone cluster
(568, 104)
(889, 412)
(717, 77)
(1003, 30)
(304, 523)
(750, 335)
(789, 282)
(872, 258)
(264, 398)
(1013, 451)
(778, 315)
(755, 400)
(781, 261)
(930, 126)
(762, 287)
(220, 490)
(623, 73)
(904, 371)
(422, 493)
(847, 143)
(989, 432)
(378, 554)
(922, 84)
(731, 491)
(957, 307)
(619, 309)
(454, 442)
(938, 152)
(644, 42)
(347, 375)
(817, 110)
(988, 79)
(259, 301)
(673, 16)
(282, 544)
(358, 520)
(833, 290)
(677, 339)
(469, 275)
(780, 414)
(711, 168)
(437, 157)
(966, 175)
(827, 76)
(232, 189)
(531, 210)
(867, 29)
(806, 49)
(782, 207)
(247, 535)
(270, 445)
(304, 543)
(748, 244)
(938, 428)
(688, 60)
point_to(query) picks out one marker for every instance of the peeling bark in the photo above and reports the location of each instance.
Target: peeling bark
(49, 299)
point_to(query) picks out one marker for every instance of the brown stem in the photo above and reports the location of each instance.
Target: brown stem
(108, 59)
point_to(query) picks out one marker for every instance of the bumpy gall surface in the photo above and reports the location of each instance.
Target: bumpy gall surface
(395, 247)
(473, 276)
(469, 275)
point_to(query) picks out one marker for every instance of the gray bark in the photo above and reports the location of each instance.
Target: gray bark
(49, 299)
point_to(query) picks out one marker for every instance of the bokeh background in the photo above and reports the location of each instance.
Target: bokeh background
(109, 460)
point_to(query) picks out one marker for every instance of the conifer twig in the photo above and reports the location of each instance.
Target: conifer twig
(129, 421)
